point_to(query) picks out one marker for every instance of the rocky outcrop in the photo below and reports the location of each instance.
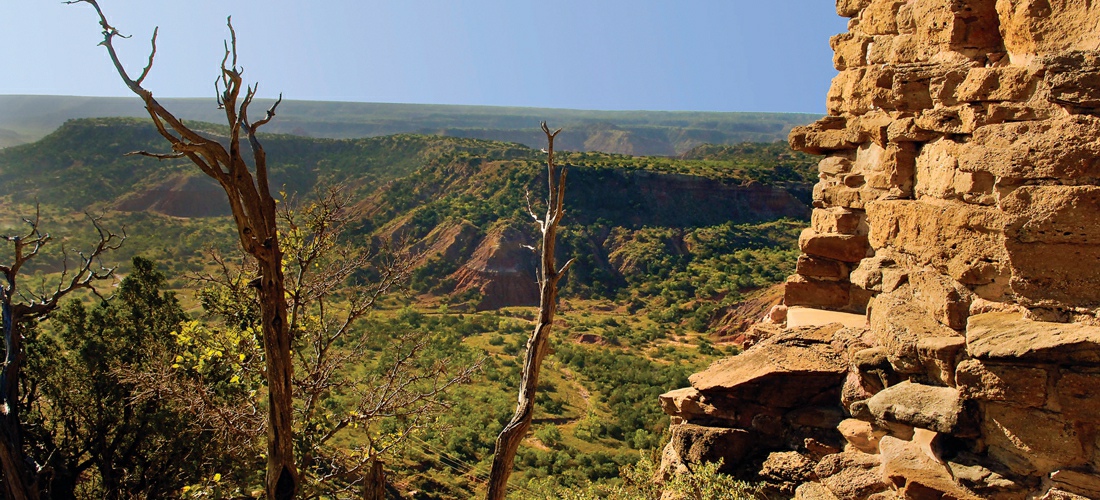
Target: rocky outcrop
(957, 209)
(781, 395)
(180, 195)
(501, 270)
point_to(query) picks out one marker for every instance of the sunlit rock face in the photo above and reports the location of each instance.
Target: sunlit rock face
(958, 211)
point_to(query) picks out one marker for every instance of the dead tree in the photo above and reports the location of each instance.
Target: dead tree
(537, 346)
(254, 212)
(21, 308)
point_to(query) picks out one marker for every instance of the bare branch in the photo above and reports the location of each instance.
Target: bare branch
(270, 114)
(159, 156)
(152, 54)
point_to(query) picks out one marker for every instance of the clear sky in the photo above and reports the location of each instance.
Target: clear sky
(707, 55)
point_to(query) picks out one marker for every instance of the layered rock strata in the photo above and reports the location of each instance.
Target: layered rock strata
(958, 211)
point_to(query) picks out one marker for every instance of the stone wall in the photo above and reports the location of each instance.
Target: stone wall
(958, 211)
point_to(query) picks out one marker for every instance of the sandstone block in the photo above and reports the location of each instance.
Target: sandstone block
(917, 474)
(1029, 441)
(789, 468)
(971, 472)
(825, 135)
(868, 275)
(939, 355)
(942, 297)
(943, 121)
(996, 84)
(899, 49)
(849, 50)
(1059, 494)
(850, 8)
(880, 17)
(777, 315)
(1079, 396)
(874, 369)
(685, 403)
(779, 372)
(1052, 276)
(939, 409)
(860, 90)
(851, 475)
(963, 240)
(906, 130)
(1046, 149)
(1078, 482)
(821, 268)
(1014, 385)
(910, 90)
(936, 168)
(1039, 27)
(671, 463)
(965, 26)
(813, 491)
(802, 291)
(1053, 214)
(839, 195)
(1018, 112)
(890, 169)
(838, 221)
(874, 125)
(860, 435)
(1073, 77)
(697, 444)
(842, 247)
(938, 175)
(944, 86)
(853, 391)
(897, 325)
(1008, 336)
(858, 300)
(1050, 231)
(834, 166)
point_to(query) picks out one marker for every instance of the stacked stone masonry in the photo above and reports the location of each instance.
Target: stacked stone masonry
(958, 209)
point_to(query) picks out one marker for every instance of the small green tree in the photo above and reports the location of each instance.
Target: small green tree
(103, 438)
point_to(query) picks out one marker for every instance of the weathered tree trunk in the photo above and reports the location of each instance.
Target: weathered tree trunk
(283, 480)
(18, 482)
(537, 346)
(374, 485)
(254, 212)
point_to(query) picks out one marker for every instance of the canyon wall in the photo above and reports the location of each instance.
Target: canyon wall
(957, 223)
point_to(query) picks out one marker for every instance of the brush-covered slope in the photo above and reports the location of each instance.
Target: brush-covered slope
(639, 227)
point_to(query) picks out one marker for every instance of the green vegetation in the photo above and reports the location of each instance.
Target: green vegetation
(655, 270)
(703, 482)
(84, 368)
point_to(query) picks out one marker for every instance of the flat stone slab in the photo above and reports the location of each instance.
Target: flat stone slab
(808, 316)
(781, 372)
(1010, 336)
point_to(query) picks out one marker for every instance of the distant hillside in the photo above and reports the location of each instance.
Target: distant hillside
(647, 223)
(25, 119)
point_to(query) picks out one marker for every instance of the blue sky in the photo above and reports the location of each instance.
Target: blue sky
(707, 55)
